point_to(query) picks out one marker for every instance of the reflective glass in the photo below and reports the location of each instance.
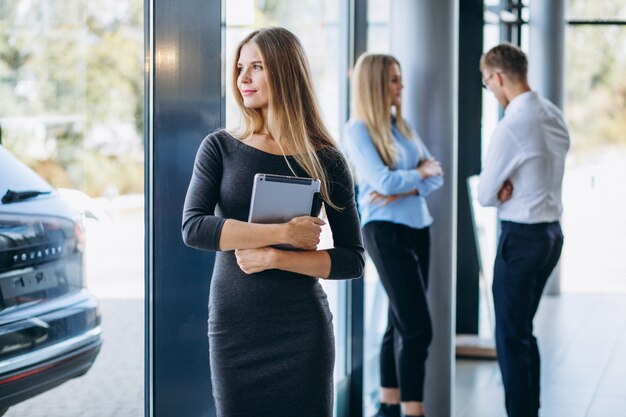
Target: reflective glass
(596, 10)
(486, 217)
(595, 111)
(375, 303)
(316, 25)
(71, 108)
(378, 33)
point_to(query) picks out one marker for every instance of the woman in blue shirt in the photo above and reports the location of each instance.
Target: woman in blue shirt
(394, 172)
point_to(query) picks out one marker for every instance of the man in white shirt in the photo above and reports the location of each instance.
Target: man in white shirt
(522, 177)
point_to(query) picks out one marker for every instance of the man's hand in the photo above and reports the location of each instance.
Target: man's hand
(506, 192)
(382, 200)
(255, 260)
(429, 168)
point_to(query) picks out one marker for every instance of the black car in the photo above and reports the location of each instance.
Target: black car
(49, 323)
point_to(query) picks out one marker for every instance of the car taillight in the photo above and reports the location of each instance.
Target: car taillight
(79, 235)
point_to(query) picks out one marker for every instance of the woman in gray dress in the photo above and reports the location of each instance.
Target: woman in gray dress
(270, 327)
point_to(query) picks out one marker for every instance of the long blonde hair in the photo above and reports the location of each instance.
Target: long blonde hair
(294, 118)
(371, 103)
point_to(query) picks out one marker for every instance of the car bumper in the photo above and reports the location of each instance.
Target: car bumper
(28, 375)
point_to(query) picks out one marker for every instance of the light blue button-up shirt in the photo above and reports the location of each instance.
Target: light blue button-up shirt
(373, 175)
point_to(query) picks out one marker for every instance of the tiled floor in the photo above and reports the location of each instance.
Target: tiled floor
(582, 339)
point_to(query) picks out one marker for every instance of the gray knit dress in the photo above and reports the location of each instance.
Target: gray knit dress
(270, 333)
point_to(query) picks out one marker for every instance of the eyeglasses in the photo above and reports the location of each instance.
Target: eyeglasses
(484, 81)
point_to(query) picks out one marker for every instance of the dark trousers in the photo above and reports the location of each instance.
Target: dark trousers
(401, 256)
(527, 254)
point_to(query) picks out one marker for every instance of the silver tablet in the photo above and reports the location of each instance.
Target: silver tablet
(278, 198)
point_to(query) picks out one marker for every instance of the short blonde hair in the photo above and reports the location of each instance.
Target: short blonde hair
(508, 59)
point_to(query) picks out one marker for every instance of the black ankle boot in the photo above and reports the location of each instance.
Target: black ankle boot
(388, 410)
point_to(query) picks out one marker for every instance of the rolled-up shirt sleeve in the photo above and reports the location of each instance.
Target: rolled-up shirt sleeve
(201, 228)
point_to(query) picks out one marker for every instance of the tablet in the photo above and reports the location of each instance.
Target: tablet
(279, 198)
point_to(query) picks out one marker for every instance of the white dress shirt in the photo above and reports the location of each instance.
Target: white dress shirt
(528, 148)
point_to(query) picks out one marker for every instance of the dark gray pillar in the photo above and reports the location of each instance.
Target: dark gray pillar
(469, 143)
(424, 37)
(353, 30)
(183, 104)
(546, 63)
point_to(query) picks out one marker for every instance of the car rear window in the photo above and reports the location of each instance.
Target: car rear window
(16, 176)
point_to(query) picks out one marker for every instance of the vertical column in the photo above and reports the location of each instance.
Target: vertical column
(424, 38)
(546, 62)
(546, 52)
(183, 104)
(354, 40)
(471, 24)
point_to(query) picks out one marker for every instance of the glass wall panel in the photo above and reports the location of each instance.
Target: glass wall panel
(601, 10)
(486, 217)
(71, 108)
(595, 110)
(378, 33)
(375, 303)
(316, 25)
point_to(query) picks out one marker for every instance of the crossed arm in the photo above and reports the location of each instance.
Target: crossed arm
(503, 158)
(252, 245)
(427, 169)
(205, 230)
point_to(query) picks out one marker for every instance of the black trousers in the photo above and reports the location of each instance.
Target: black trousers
(527, 254)
(401, 255)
